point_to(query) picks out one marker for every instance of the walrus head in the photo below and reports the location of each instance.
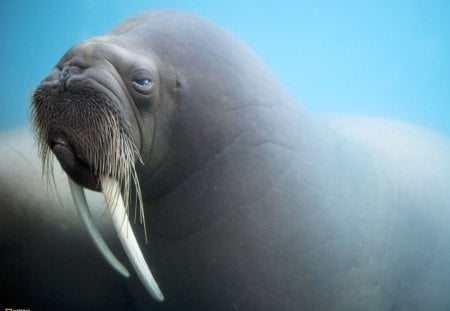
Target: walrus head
(86, 113)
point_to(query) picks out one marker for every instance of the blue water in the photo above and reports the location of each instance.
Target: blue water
(380, 58)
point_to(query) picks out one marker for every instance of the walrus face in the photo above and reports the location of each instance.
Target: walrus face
(87, 112)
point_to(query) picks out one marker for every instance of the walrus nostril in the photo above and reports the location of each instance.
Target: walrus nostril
(65, 74)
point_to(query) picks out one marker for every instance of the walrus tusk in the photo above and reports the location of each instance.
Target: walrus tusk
(111, 191)
(83, 210)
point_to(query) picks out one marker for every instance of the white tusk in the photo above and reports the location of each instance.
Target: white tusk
(83, 210)
(111, 191)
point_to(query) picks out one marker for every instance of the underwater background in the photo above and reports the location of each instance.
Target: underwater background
(379, 58)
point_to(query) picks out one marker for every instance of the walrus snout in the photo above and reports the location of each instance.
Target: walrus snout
(73, 164)
(71, 122)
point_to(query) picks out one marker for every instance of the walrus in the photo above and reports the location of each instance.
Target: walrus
(250, 202)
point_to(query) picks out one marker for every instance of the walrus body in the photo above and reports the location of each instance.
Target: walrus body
(251, 202)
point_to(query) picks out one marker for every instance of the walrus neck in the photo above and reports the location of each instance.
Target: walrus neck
(232, 177)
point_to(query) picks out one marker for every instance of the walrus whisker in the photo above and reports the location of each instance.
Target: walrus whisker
(47, 165)
(128, 239)
(79, 199)
(49, 176)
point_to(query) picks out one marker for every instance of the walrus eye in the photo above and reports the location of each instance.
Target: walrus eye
(142, 85)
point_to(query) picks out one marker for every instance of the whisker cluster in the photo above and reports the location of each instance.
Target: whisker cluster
(90, 119)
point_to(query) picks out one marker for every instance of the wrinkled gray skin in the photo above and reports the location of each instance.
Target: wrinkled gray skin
(251, 202)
